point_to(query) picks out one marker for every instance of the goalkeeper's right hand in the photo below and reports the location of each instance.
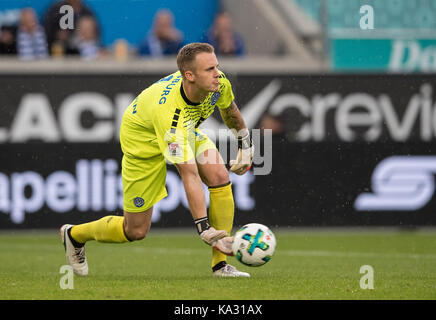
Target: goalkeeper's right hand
(218, 239)
(224, 245)
(211, 235)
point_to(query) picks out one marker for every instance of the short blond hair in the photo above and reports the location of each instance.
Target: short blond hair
(187, 55)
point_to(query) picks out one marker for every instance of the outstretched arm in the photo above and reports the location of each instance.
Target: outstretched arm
(193, 188)
(197, 204)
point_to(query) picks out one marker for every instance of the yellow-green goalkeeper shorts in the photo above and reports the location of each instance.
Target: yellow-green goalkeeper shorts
(144, 179)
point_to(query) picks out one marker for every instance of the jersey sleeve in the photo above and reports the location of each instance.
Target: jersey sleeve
(226, 92)
(175, 142)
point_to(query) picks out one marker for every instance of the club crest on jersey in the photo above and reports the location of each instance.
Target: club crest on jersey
(215, 96)
(138, 201)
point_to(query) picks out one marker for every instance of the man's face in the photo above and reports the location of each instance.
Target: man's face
(28, 20)
(205, 72)
(163, 25)
(87, 29)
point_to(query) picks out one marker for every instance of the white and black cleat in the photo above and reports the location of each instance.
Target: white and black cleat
(75, 256)
(226, 270)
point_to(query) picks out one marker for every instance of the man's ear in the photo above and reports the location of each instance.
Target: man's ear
(189, 75)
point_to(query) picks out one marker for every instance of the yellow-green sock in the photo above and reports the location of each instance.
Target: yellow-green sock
(221, 213)
(106, 229)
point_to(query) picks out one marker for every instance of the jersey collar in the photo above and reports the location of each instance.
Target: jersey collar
(182, 92)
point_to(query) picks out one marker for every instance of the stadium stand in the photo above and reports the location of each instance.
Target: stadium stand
(274, 37)
(287, 35)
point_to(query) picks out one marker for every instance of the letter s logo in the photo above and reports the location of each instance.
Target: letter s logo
(400, 183)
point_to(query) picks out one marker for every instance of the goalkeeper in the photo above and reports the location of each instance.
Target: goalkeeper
(162, 125)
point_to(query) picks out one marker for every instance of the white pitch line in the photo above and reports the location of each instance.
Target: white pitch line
(162, 250)
(300, 253)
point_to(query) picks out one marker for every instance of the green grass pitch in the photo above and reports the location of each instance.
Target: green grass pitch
(175, 265)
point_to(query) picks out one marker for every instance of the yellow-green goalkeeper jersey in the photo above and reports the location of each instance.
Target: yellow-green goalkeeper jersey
(162, 121)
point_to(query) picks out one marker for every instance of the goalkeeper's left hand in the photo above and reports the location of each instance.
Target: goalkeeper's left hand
(245, 156)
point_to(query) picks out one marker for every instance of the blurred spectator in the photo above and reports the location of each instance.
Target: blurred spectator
(31, 40)
(164, 38)
(56, 36)
(86, 39)
(222, 37)
(121, 50)
(275, 124)
(8, 43)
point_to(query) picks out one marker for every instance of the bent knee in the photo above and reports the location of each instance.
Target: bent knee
(135, 234)
(219, 179)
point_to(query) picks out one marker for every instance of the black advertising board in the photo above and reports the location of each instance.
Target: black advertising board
(353, 150)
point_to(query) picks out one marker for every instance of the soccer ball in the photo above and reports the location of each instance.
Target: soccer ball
(254, 244)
